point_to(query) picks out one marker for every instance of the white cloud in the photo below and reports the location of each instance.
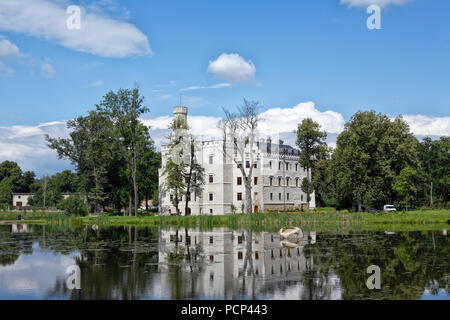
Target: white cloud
(8, 50)
(428, 126)
(95, 84)
(233, 68)
(366, 3)
(287, 119)
(215, 86)
(164, 96)
(99, 34)
(47, 70)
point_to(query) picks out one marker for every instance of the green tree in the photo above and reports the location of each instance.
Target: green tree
(405, 185)
(311, 142)
(124, 108)
(370, 153)
(6, 190)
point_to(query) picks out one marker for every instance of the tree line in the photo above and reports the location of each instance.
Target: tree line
(376, 161)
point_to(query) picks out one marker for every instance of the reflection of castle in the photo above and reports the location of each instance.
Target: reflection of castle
(229, 264)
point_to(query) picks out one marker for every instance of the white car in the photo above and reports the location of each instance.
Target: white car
(389, 208)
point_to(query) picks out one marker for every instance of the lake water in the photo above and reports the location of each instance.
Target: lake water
(152, 263)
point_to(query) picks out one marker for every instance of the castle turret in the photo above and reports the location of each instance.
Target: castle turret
(180, 113)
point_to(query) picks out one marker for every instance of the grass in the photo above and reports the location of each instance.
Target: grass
(322, 218)
(274, 221)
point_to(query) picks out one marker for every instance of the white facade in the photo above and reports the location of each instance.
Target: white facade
(21, 199)
(276, 179)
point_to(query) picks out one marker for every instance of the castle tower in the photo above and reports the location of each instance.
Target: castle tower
(180, 113)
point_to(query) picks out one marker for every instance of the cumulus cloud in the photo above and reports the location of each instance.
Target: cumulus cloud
(215, 86)
(99, 34)
(366, 3)
(233, 68)
(287, 119)
(8, 50)
(95, 84)
(428, 126)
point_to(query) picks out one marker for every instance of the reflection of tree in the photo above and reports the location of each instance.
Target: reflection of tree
(407, 261)
(12, 247)
(115, 263)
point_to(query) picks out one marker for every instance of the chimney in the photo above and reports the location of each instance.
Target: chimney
(180, 113)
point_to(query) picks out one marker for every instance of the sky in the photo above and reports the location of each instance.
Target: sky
(297, 58)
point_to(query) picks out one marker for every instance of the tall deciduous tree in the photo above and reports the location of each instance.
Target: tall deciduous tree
(311, 142)
(239, 131)
(370, 153)
(125, 107)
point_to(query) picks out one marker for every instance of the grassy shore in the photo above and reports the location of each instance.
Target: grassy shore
(412, 220)
(318, 219)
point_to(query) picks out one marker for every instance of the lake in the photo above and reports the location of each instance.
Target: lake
(155, 263)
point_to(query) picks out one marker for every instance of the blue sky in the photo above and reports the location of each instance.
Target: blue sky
(282, 54)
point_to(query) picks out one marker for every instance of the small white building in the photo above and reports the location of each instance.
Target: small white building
(21, 199)
(276, 180)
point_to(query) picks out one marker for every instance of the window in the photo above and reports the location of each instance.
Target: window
(211, 258)
(171, 197)
(255, 181)
(256, 256)
(239, 239)
(186, 179)
(211, 159)
(239, 181)
(240, 255)
(211, 211)
(270, 164)
(279, 196)
(287, 196)
(211, 178)
(211, 197)
(239, 196)
(302, 197)
(255, 165)
(247, 164)
(188, 240)
(170, 211)
(211, 240)
(296, 167)
(271, 181)
(239, 165)
(279, 165)
(296, 182)
(287, 181)
(188, 196)
(271, 196)
(279, 182)
(287, 166)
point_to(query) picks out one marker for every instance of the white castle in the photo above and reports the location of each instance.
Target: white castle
(276, 179)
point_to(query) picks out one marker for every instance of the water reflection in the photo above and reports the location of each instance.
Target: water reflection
(148, 263)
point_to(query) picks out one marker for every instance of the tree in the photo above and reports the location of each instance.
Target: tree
(177, 162)
(124, 109)
(311, 142)
(404, 185)
(195, 175)
(89, 149)
(370, 153)
(6, 190)
(239, 132)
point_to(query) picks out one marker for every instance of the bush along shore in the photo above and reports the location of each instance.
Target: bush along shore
(409, 220)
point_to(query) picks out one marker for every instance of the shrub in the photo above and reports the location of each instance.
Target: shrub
(344, 211)
(73, 206)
